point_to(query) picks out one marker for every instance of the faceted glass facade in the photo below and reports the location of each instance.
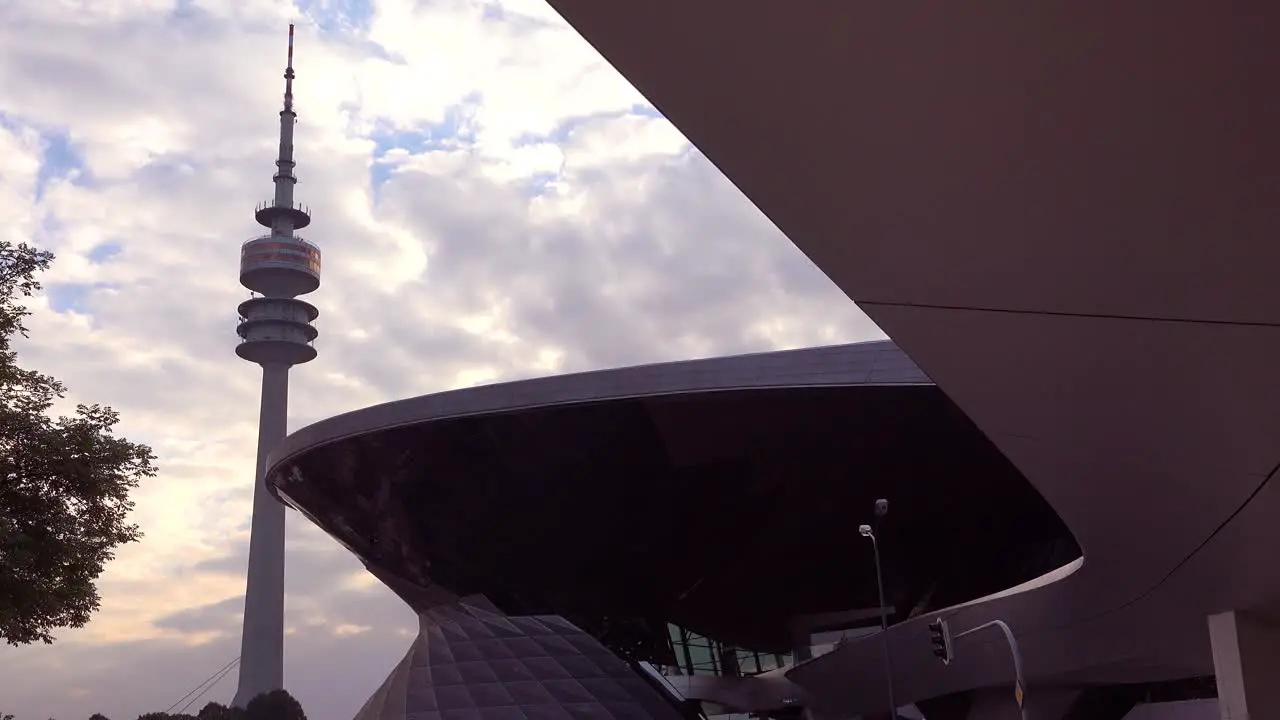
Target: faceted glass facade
(470, 662)
(699, 655)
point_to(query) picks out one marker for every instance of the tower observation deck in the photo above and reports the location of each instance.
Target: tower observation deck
(276, 332)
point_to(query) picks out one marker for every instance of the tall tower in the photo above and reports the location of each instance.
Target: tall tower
(275, 332)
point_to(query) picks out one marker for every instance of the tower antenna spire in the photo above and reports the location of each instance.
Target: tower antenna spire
(288, 75)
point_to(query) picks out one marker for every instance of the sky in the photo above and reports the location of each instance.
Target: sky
(493, 201)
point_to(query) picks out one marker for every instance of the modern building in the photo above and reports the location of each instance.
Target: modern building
(276, 333)
(701, 516)
(1064, 215)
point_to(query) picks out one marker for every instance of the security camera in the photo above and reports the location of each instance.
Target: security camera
(882, 507)
(864, 530)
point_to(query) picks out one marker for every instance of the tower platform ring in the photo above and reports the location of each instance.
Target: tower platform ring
(299, 218)
(244, 308)
(283, 352)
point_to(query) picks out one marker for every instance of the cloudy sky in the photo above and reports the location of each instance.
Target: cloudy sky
(493, 201)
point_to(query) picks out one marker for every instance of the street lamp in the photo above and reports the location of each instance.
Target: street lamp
(882, 509)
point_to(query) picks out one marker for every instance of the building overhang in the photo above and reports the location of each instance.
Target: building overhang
(1065, 213)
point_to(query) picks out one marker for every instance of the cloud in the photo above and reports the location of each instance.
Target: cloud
(493, 202)
(215, 617)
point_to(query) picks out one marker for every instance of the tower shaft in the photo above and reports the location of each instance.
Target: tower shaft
(262, 642)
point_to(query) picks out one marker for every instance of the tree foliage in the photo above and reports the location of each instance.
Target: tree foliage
(275, 705)
(217, 711)
(64, 482)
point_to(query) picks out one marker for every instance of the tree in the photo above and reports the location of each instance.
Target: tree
(217, 711)
(274, 705)
(98, 716)
(64, 482)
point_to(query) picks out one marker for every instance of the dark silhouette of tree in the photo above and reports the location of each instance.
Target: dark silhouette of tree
(217, 711)
(98, 716)
(64, 482)
(274, 705)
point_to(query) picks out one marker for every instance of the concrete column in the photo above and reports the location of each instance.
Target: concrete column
(1246, 659)
(801, 644)
(729, 662)
(262, 641)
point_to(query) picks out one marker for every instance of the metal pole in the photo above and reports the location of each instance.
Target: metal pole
(884, 629)
(1017, 659)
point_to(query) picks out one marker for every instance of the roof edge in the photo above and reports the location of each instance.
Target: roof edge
(871, 363)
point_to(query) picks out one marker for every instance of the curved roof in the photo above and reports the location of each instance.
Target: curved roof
(718, 494)
(1065, 213)
(869, 363)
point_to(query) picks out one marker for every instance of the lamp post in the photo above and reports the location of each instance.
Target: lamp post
(882, 509)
